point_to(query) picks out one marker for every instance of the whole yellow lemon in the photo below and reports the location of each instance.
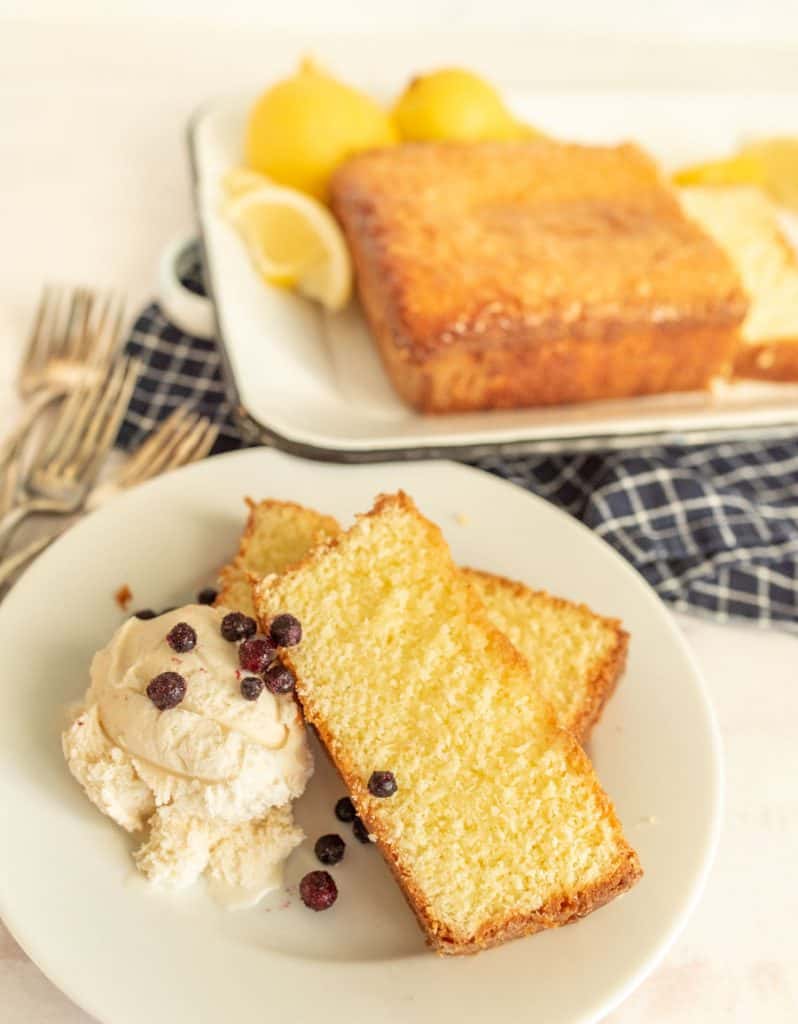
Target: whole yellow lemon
(457, 105)
(302, 128)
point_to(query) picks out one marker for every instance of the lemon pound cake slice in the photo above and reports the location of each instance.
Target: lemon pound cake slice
(489, 815)
(744, 221)
(276, 534)
(575, 656)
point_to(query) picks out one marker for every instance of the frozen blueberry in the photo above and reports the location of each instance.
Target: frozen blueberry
(251, 687)
(256, 654)
(279, 679)
(361, 833)
(237, 626)
(145, 613)
(182, 638)
(318, 890)
(207, 595)
(286, 631)
(166, 690)
(330, 849)
(382, 784)
(345, 809)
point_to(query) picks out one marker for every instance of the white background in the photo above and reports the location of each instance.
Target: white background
(710, 19)
(93, 180)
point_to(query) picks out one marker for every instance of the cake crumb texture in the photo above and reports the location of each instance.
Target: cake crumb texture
(744, 221)
(575, 656)
(277, 534)
(499, 827)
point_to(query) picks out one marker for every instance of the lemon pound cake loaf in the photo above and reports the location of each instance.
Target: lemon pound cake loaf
(499, 275)
(575, 656)
(495, 826)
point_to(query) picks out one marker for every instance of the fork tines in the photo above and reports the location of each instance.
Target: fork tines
(86, 426)
(71, 326)
(183, 437)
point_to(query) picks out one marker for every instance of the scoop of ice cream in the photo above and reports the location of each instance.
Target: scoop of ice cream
(242, 862)
(106, 772)
(203, 776)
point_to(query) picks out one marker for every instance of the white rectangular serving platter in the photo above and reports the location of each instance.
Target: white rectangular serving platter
(313, 383)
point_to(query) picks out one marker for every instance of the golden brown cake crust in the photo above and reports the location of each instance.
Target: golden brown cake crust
(558, 910)
(775, 360)
(607, 672)
(499, 275)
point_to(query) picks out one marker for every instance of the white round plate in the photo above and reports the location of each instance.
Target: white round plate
(128, 953)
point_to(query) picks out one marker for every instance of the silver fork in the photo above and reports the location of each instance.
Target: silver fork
(9, 482)
(68, 460)
(73, 330)
(74, 337)
(184, 437)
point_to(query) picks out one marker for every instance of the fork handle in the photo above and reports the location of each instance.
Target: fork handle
(10, 522)
(10, 566)
(31, 412)
(12, 519)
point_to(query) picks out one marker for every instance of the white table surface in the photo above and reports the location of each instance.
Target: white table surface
(93, 181)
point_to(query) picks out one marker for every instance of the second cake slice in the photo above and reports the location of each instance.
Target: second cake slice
(499, 826)
(575, 656)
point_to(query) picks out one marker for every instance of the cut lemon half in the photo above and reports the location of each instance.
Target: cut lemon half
(292, 239)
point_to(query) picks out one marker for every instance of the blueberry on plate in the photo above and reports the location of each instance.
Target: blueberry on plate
(330, 848)
(345, 810)
(359, 830)
(318, 890)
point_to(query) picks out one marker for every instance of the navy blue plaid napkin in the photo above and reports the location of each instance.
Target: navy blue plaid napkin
(713, 528)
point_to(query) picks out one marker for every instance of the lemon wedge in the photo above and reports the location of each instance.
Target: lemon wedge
(772, 164)
(294, 240)
(240, 180)
(739, 169)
